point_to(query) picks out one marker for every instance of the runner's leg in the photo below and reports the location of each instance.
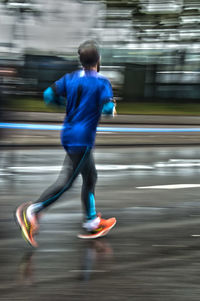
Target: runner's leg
(89, 175)
(72, 166)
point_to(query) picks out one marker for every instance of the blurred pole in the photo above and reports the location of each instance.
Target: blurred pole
(5, 73)
(1, 109)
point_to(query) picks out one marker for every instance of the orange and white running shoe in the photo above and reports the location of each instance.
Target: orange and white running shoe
(104, 226)
(28, 223)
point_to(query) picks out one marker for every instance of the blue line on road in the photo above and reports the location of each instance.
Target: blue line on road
(28, 126)
(50, 127)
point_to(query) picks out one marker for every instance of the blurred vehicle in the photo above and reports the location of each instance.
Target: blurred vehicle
(31, 74)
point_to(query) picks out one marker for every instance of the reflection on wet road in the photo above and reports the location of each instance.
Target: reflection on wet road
(94, 253)
(153, 253)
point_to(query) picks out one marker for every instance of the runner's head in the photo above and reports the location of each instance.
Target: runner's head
(89, 54)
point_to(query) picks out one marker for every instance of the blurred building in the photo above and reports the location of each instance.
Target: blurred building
(150, 48)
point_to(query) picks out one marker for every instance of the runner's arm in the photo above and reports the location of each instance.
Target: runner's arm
(50, 98)
(109, 108)
(107, 100)
(56, 94)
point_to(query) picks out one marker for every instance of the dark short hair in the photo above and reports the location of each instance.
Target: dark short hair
(89, 53)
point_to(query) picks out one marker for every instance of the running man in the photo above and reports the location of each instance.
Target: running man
(86, 94)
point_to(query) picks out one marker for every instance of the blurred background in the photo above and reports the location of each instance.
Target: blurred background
(150, 49)
(147, 179)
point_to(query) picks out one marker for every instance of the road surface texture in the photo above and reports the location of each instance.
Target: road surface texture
(153, 253)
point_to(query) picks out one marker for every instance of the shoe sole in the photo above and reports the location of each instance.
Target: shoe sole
(94, 236)
(22, 227)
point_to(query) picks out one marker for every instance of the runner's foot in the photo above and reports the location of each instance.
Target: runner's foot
(104, 226)
(28, 222)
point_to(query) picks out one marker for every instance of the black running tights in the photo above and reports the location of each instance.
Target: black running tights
(74, 164)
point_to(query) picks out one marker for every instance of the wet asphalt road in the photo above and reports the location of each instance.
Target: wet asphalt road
(153, 253)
